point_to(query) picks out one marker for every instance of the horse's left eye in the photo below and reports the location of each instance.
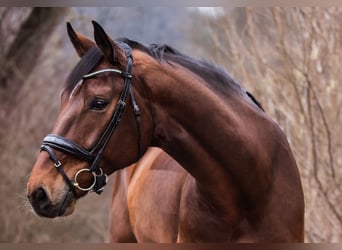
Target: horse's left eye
(98, 104)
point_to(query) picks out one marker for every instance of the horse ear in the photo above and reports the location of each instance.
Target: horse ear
(80, 42)
(109, 48)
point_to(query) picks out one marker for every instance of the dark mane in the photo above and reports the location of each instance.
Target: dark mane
(217, 78)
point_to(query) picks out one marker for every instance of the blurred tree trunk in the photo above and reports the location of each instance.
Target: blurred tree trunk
(23, 34)
(22, 54)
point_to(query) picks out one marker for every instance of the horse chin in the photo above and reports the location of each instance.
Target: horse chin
(68, 205)
(69, 210)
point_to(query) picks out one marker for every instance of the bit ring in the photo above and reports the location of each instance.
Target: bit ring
(75, 183)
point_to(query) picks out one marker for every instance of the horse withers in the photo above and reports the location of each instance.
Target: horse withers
(227, 174)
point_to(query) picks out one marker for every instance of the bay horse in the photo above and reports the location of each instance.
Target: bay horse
(226, 172)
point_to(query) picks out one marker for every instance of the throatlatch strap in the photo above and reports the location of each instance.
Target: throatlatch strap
(137, 119)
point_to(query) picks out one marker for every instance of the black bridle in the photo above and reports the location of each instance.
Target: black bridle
(94, 155)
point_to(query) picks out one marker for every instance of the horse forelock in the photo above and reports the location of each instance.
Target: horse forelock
(90, 59)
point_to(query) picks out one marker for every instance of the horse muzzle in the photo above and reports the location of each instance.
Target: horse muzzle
(45, 207)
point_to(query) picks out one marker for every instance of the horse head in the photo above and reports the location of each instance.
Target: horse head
(98, 129)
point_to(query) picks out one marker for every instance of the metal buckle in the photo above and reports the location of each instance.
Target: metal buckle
(57, 164)
(121, 103)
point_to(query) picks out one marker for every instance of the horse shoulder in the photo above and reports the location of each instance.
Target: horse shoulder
(153, 197)
(120, 225)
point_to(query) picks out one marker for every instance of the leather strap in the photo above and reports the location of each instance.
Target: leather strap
(62, 144)
(58, 166)
(137, 114)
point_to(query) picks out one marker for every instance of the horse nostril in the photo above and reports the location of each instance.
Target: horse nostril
(39, 198)
(40, 195)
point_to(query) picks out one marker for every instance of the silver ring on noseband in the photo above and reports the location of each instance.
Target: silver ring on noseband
(90, 188)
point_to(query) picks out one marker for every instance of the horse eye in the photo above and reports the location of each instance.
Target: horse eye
(98, 104)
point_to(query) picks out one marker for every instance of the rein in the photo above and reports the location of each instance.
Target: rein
(94, 155)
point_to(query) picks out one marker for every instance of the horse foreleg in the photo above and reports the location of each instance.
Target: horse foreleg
(120, 226)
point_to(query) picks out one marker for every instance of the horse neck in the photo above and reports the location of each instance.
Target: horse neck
(210, 137)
